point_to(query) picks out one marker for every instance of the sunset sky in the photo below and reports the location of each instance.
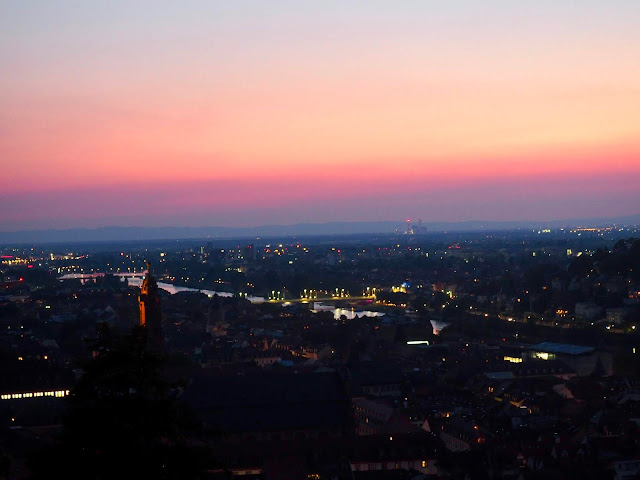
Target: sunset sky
(241, 113)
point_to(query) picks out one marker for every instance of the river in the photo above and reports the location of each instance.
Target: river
(136, 280)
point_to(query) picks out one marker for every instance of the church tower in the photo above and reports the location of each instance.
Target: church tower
(150, 315)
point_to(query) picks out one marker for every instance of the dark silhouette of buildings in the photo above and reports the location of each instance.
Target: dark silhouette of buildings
(278, 406)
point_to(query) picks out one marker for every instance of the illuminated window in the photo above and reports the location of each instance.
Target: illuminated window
(544, 355)
(424, 464)
(513, 359)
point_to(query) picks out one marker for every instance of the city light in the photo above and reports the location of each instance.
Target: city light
(47, 393)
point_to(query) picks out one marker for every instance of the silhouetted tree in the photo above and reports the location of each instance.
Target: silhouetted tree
(580, 266)
(123, 419)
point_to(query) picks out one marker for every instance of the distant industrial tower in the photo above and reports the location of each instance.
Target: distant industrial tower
(150, 315)
(416, 228)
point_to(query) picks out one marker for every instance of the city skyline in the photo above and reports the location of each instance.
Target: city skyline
(243, 114)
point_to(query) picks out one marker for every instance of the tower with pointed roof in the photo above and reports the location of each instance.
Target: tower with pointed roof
(150, 314)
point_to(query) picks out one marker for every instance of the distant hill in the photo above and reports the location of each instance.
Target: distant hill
(115, 233)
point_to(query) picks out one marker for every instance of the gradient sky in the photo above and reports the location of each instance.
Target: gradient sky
(245, 113)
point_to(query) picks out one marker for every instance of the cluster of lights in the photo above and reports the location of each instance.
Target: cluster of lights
(17, 261)
(68, 256)
(340, 293)
(50, 393)
(309, 294)
(370, 292)
(512, 359)
(276, 296)
(592, 229)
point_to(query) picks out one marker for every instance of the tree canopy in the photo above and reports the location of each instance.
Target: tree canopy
(124, 419)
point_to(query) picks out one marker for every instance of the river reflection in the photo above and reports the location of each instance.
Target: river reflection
(350, 313)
